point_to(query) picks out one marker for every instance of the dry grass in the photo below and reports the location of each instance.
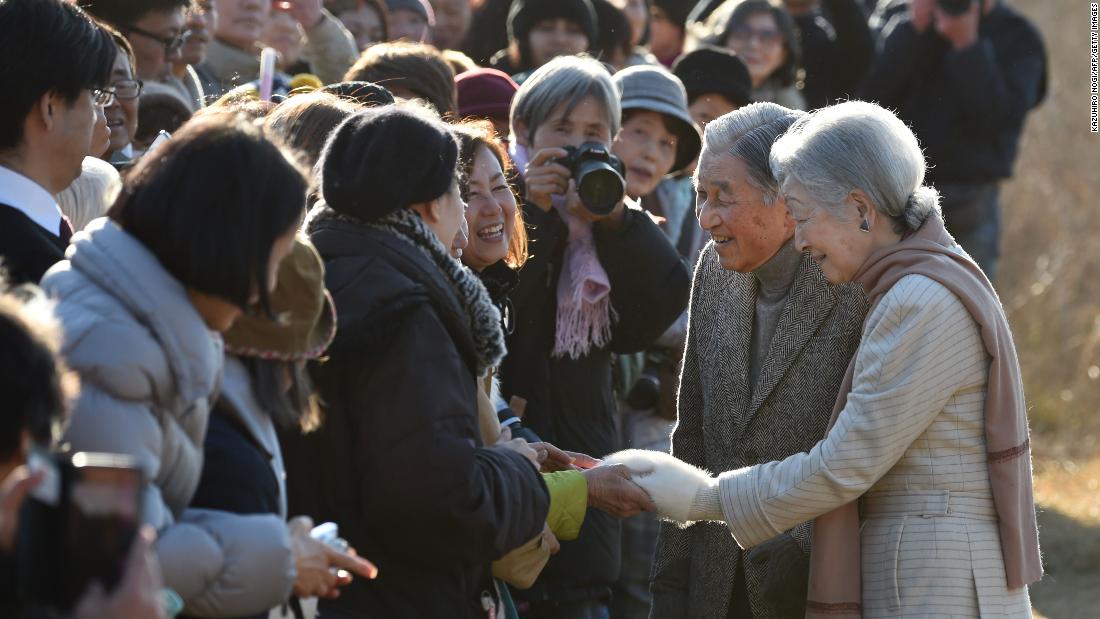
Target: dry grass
(1050, 278)
(1050, 284)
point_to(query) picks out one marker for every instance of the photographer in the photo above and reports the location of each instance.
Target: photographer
(964, 74)
(597, 283)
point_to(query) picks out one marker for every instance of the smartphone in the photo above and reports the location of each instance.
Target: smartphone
(162, 138)
(77, 526)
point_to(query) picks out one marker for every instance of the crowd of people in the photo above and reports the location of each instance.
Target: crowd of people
(371, 295)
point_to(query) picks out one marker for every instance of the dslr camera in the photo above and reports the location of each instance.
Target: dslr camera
(599, 176)
(955, 7)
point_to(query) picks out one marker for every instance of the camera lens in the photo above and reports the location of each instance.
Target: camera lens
(600, 186)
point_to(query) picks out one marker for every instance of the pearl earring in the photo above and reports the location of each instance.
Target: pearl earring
(864, 227)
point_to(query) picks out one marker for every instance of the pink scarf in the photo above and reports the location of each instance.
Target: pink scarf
(584, 291)
(584, 314)
(835, 578)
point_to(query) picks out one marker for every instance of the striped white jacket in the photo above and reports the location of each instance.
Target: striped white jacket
(911, 441)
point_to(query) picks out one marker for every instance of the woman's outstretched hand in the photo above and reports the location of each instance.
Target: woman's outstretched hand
(315, 561)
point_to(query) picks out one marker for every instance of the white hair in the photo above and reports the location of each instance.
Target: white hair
(858, 145)
(91, 194)
(748, 134)
(565, 80)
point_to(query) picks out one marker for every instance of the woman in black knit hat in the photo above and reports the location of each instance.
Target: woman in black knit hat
(541, 30)
(399, 461)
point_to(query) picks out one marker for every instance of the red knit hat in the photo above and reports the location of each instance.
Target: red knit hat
(485, 93)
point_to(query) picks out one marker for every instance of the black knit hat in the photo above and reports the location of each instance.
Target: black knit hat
(384, 159)
(677, 10)
(524, 14)
(710, 69)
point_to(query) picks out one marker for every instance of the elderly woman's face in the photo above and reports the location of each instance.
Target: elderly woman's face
(490, 212)
(648, 150)
(587, 122)
(746, 231)
(833, 239)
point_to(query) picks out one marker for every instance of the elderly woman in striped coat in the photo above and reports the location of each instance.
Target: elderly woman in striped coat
(921, 490)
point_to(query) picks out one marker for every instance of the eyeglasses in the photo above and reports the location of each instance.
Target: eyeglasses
(766, 36)
(124, 90)
(103, 97)
(127, 89)
(171, 44)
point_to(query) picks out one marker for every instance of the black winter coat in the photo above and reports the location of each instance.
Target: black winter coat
(569, 402)
(966, 107)
(398, 461)
(836, 51)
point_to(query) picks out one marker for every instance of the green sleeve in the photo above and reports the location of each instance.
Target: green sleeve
(568, 502)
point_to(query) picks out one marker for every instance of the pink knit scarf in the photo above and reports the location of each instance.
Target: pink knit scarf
(584, 291)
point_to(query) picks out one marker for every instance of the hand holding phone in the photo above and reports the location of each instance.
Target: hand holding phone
(139, 594)
(78, 526)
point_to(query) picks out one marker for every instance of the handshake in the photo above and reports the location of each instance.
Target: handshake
(633, 481)
(677, 490)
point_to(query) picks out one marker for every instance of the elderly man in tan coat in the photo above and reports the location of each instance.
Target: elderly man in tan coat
(768, 341)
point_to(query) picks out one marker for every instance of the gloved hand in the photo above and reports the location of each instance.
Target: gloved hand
(681, 492)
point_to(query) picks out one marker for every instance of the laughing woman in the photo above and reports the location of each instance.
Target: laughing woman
(930, 428)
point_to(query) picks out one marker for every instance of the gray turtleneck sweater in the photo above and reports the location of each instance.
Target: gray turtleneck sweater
(773, 286)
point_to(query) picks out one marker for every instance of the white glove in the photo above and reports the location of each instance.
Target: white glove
(682, 492)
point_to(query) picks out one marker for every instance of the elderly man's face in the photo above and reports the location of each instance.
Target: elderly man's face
(746, 231)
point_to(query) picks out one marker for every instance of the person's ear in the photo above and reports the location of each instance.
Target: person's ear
(46, 110)
(429, 211)
(864, 207)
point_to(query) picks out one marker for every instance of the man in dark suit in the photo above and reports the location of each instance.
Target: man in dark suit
(51, 116)
(769, 340)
